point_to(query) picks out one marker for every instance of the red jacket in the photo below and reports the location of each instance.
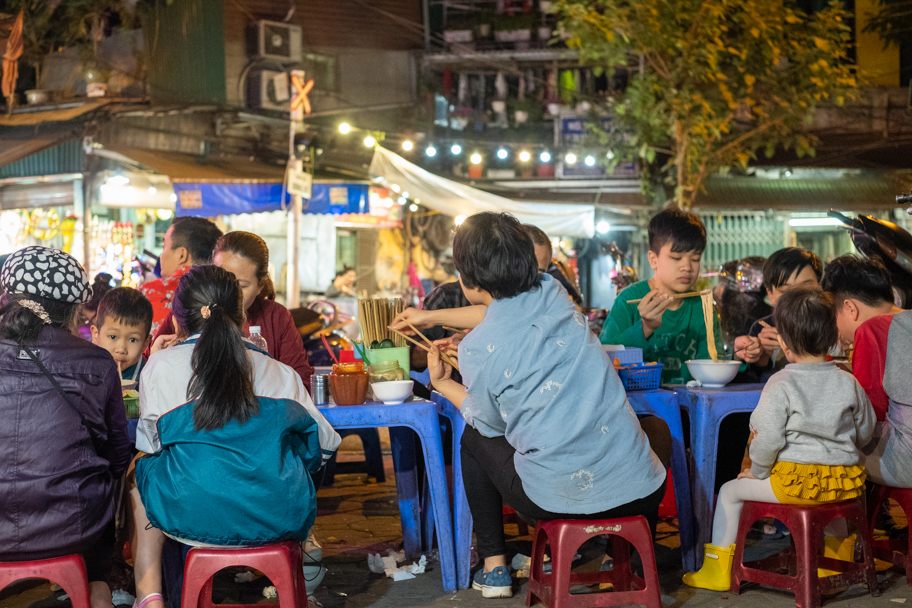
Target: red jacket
(283, 341)
(869, 361)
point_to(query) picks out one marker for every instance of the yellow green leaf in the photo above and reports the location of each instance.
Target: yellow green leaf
(821, 43)
(755, 32)
(750, 79)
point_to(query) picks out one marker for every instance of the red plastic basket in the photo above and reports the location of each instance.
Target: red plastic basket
(641, 376)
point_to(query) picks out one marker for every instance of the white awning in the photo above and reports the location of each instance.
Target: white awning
(453, 198)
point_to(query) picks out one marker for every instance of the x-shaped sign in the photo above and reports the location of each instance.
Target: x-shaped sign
(300, 100)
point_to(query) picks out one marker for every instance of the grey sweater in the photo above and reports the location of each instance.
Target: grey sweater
(810, 413)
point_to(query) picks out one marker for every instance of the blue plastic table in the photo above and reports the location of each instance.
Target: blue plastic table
(664, 404)
(421, 417)
(707, 407)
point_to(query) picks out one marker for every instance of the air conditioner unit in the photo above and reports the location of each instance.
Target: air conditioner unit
(268, 90)
(275, 41)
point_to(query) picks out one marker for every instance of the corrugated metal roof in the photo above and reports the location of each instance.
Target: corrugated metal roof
(26, 154)
(874, 192)
(187, 168)
(186, 41)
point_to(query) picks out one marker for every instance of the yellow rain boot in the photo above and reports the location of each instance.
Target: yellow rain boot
(715, 574)
(841, 549)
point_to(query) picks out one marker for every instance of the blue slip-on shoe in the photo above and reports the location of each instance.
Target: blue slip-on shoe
(496, 583)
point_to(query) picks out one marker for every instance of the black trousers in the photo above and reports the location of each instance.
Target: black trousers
(491, 480)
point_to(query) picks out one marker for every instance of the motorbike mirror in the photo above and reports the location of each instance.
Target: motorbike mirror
(904, 199)
(851, 223)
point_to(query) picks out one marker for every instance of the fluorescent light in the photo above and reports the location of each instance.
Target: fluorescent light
(345, 128)
(603, 227)
(810, 222)
(431, 151)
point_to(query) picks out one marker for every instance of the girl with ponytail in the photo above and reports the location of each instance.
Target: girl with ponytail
(246, 256)
(232, 424)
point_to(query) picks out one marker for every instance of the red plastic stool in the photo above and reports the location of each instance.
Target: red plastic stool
(565, 537)
(806, 523)
(510, 516)
(891, 550)
(280, 563)
(69, 572)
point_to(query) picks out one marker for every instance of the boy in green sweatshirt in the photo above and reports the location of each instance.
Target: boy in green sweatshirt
(670, 331)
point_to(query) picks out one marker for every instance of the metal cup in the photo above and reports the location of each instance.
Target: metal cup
(319, 389)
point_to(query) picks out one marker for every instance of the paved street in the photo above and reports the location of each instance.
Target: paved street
(357, 516)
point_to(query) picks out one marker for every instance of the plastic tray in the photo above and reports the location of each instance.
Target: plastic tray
(628, 355)
(641, 377)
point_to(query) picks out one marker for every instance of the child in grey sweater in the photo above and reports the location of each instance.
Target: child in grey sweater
(808, 427)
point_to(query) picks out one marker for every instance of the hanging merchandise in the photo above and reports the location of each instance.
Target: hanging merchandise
(500, 86)
(113, 250)
(567, 86)
(44, 224)
(462, 96)
(68, 228)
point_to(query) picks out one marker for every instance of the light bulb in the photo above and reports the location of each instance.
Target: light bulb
(524, 156)
(475, 159)
(402, 200)
(545, 157)
(610, 154)
(407, 145)
(152, 190)
(502, 154)
(345, 128)
(590, 160)
(431, 151)
(603, 227)
(395, 188)
(456, 149)
(570, 159)
(369, 141)
(413, 207)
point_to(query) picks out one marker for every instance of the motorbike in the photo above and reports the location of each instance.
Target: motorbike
(889, 242)
(321, 319)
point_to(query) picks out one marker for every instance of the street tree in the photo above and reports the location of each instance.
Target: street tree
(718, 82)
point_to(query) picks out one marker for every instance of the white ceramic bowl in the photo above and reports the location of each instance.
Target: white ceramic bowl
(392, 393)
(712, 374)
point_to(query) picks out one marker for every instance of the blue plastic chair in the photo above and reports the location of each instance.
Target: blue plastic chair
(421, 417)
(664, 404)
(707, 407)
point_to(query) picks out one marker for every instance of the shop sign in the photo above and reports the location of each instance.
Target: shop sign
(300, 183)
(191, 199)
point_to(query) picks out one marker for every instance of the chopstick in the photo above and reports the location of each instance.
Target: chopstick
(459, 331)
(765, 324)
(443, 355)
(676, 296)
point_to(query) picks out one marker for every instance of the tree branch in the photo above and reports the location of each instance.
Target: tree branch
(742, 138)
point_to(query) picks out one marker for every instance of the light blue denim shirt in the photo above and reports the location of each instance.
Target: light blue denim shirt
(536, 374)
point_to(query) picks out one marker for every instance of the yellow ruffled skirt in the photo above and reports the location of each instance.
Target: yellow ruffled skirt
(812, 484)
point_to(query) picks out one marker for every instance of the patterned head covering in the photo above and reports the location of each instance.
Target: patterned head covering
(48, 273)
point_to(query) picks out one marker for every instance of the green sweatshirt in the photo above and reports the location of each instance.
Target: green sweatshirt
(681, 337)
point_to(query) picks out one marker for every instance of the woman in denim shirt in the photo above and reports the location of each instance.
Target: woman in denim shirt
(550, 430)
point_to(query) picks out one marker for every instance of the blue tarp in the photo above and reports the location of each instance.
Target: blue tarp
(210, 200)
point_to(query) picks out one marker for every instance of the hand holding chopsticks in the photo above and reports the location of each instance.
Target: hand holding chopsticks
(676, 296)
(443, 355)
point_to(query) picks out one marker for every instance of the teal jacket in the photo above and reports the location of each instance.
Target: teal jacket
(243, 484)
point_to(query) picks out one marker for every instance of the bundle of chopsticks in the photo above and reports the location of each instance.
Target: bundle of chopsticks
(676, 296)
(375, 315)
(446, 358)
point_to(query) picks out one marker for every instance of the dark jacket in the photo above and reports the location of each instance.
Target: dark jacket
(56, 492)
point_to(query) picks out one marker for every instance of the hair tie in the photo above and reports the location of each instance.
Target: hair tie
(37, 310)
(206, 311)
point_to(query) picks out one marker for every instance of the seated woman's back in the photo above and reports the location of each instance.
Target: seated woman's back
(56, 476)
(229, 427)
(542, 380)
